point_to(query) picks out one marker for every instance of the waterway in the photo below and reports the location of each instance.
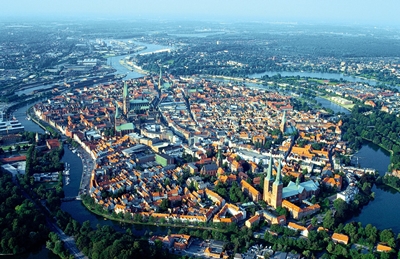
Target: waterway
(327, 76)
(114, 61)
(382, 212)
(29, 125)
(331, 105)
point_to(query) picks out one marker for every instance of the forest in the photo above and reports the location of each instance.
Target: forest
(22, 225)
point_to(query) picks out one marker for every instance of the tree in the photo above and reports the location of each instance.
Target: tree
(164, 205)
(329, 221)
(341, 208)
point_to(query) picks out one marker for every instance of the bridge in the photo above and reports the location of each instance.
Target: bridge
(72, 198)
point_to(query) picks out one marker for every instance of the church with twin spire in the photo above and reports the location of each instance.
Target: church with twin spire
(274, 192)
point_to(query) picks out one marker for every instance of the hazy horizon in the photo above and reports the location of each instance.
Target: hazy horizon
(367, 12)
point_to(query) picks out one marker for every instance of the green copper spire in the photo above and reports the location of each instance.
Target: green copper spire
(269, 175)
(125, 92)
(116, 110)
(278, 179)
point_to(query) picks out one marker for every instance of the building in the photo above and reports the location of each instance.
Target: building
(271, 218)
(282, 127)
(274, 193)
(252, 221)
(273, 188)
(210, 169)
(52, 144)
(340, 238)
(383, 248)
(303, 230)
(139, 105)
(10, 127)
(298, 213)
(125, 101)
(164, 159)
(250, 191)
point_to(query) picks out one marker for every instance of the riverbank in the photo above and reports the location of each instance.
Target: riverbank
(156, 224)
(348, 107)
(387, 185)
(133, 67)
(237, 79)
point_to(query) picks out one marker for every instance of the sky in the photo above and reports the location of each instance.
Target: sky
(323, 11)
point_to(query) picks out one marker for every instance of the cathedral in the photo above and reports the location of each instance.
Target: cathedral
(275, 193)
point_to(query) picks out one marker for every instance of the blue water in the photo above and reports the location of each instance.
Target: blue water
(336, 76)
(382, 212)
(333, 106)
(29, 125)
(114, 61)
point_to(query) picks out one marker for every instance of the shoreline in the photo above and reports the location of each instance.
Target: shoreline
(156, 224)
(134, 67)
(329, 98)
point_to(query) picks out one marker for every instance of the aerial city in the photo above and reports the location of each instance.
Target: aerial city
(199, 130)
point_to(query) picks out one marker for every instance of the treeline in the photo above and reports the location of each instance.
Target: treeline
(105, 242)
(22, 225)
(381, 128)
(318, 242)
(390, 180)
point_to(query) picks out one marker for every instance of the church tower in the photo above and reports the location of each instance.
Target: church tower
(159, 80)
(219, 158)
(268, 181)
(283, 123)
(277, 186)
(125, 99)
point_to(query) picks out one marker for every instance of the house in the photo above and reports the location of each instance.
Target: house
(252, 221)
(334, 182)
(340, 238)
(303, 230)
(383, 248)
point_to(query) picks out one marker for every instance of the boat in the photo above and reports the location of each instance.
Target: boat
(66, 169)
(28, 117)
(66, 180)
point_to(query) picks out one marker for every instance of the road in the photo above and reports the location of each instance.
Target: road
(69, 241)
(88, 165)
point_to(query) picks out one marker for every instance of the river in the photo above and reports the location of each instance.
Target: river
(331, 105)
(29, 125)
(327, 76)
(114, 61)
